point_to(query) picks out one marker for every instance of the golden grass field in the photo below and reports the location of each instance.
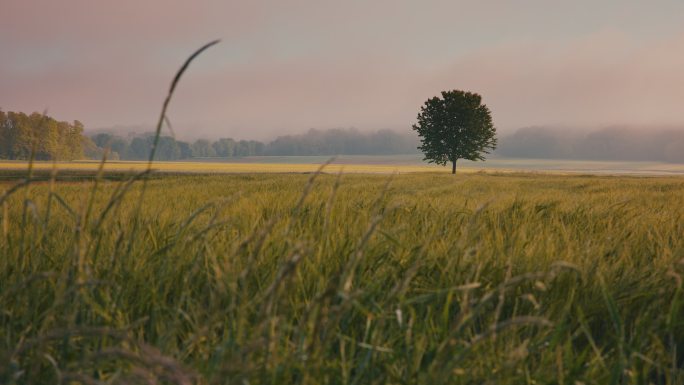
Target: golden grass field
(400, 164)
(220, 167)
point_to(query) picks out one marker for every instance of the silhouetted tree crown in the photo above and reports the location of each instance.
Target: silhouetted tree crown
(455, 126)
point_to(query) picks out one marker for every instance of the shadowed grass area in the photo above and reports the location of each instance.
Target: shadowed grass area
(343, 279)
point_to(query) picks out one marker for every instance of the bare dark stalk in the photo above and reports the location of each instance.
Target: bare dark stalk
(174, 83)
(157, 134)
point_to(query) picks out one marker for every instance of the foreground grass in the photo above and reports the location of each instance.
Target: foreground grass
(352, 279)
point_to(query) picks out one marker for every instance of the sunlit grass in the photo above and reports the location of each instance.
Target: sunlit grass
(363, 164)
(220, 167)
(351, 279)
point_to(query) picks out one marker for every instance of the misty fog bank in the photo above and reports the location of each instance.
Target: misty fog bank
(612, 143)
(619, 143)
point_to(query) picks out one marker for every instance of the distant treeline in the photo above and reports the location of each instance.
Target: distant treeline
(138, 147)
(344, 142)
(21, 135)
(49, 139)
(614, 143)
(314, 142)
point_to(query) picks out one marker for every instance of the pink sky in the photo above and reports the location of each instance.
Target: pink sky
(284, 67)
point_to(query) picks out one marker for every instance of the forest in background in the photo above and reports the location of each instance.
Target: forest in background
(20, 134)
(314, 142)
(611, 143)
(50, 139)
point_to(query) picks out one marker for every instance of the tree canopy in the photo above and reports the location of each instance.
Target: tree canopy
(136, 146)
(48, 139)
(455, 126)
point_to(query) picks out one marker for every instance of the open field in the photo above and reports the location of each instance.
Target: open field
(380, 164)
(494, 163)
(222, 167)
(424, 278)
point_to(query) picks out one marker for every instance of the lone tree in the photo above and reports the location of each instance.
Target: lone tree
(455, 126)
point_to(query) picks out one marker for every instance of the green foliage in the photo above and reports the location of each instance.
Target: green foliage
(46, 138)
(356, 279)
(202, 149)
(139, 148)
(117, 146)
(455, 126)
(167, 149)
(314, 142)
(185, 150)
(339, 141)
(224, 147)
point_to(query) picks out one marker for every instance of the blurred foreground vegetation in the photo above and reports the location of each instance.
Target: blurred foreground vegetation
(343, 279)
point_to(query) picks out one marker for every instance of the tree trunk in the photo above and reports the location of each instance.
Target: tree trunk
(453, 166)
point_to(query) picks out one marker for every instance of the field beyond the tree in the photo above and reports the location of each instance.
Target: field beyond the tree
(354, 164)
(262, 278)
